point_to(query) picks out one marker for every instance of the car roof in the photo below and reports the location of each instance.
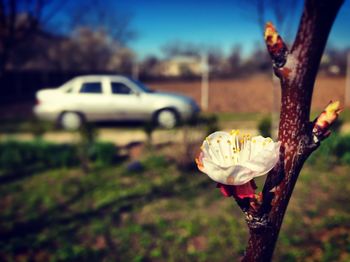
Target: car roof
(93, 77)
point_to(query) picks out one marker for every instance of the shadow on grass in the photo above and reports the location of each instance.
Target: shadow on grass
(21, 173)
(53, 217)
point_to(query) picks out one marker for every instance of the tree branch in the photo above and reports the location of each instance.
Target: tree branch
(297, 71)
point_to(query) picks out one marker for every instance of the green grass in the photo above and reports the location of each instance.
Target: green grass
(164, 213)
(240, 117)
(20, 125)
(161, 213)
(317, 223)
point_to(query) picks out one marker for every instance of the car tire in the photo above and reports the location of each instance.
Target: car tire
(167, 118)
(71, 120)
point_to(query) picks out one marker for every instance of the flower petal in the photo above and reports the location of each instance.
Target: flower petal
(199, 161)
(241, 175)
(215, 172)
(226, 190)
(246, 190)
(218, 148)
(264, 155)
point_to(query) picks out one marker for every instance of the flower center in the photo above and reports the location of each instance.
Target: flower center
(240, 142)
(225, 150)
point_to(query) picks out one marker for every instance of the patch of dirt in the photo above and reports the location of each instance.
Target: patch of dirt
(254, 94)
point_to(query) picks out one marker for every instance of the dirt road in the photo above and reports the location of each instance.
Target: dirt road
(120, 137)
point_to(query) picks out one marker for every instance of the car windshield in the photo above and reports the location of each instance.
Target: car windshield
(144, 88)
(68, 86)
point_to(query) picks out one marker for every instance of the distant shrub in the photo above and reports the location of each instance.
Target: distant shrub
(342, 145)
(16, 155)
(103, 153)
(212, 124)
(345, 158)
(334, 149)
(324, 155)
(264, 127)
(37, 128)
(155, 162)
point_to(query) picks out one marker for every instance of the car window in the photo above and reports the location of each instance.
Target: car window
(120, 88)
(91, 88)
(145, 89)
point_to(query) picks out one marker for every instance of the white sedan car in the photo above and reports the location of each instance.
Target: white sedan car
(97, 98)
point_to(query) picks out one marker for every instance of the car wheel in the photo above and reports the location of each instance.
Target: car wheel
(71, 120)
(167, 118)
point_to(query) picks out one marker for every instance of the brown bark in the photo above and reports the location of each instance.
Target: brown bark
(297, 78)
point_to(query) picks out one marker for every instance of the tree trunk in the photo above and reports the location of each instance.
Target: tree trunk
(297, 76)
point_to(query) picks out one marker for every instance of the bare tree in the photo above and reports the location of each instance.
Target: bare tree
(234, 59)
(21, 19)
(150, 66)
(296, 68)
(30, 30)
(103, 15)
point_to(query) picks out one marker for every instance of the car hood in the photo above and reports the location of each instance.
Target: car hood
(173, 96)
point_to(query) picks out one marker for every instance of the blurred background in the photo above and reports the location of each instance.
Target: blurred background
(125, 191)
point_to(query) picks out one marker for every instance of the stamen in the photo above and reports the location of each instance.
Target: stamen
(237, 143)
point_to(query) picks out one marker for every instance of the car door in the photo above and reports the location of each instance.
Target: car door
(126, 103)
(91, 100)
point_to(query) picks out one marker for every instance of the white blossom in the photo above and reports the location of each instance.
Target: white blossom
(231, 159)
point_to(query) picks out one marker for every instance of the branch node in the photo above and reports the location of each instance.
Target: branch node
(275, 45)
(257, 223)
(322, 123)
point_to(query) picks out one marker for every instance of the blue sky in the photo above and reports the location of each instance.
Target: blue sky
(221, 23)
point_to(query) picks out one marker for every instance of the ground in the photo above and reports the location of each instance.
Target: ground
(167, 210)
(163, 212)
